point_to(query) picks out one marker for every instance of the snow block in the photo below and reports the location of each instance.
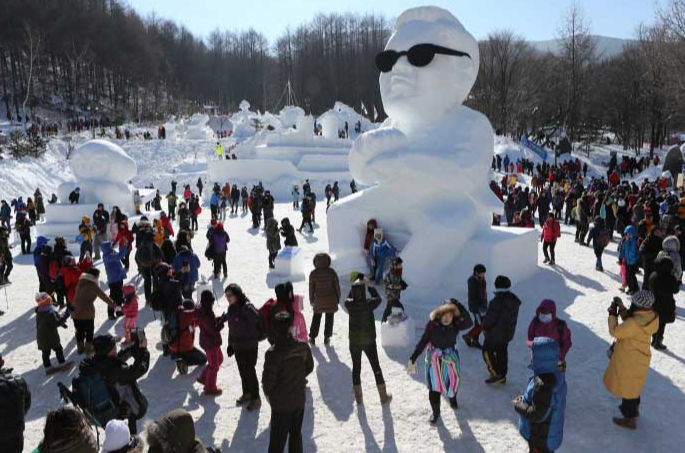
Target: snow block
(290, 262)
(400, 335)
(62, 212)
(203, 285)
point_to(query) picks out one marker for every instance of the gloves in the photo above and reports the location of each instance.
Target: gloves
(613, 309)
(229, 351)
(562, 366)
(411, 368)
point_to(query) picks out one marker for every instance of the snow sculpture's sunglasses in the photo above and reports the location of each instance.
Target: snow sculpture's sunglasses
(419, 55)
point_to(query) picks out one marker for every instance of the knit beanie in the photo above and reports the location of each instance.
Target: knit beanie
(43, 298)
(502, 282)
(103, 344)
(642, 299)
(129, 290)
(117, 436)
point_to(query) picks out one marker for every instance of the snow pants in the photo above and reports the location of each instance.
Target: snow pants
(496, 358)
(214, 360)
(286, 426)
(247, 362)
(372, 354)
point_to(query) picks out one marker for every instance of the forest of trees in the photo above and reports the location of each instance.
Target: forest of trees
(83, 56)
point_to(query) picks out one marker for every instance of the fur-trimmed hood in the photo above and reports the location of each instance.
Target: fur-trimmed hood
(438, 313)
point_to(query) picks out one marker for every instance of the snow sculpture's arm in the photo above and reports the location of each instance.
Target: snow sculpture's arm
(383, 141)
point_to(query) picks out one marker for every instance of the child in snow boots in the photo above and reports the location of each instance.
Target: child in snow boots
(48, 319)
(130, 309)
(273, 241)
(541, 407)
(443, 368)
(499, 326)
(394, 285)
(478, 305)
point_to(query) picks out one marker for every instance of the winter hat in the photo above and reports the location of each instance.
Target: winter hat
(117, 436)
(502, 282)
(219, 226)
(43, 298)
(103, 344)
(282, 323)
(479, 269)
(642, 299)
(129, 290)
(378, 231)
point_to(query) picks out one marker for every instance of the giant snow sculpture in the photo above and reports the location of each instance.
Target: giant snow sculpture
(429, 164)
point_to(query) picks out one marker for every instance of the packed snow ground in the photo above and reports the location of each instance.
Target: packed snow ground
(485, 421)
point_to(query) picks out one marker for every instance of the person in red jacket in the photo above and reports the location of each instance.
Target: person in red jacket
(182, 343)
(551, 231)
(71, 272)
(210, 341)
(546, 324)
(123, 237)
(166, 225)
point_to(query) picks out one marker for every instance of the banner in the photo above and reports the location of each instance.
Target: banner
(537, 149)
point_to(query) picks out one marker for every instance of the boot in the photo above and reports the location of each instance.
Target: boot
(254, 404)
(453, 403)
(89, 349)
(80, 347)
(244, 399)
(385, 396)
(629, 423)
(434, 418)
(358, 397)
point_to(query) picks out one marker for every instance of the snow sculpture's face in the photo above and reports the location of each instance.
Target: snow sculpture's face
(420, 94)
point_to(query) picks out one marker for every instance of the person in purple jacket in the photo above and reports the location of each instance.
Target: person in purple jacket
(219, 242)
(210, 340)
(546, 324)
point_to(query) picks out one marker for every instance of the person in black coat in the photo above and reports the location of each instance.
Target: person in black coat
(649, 249)
(663, 285)
(15, 402)
(245, 331)
(286, 367)
(362, 337)
(288, 232)
(121, 378)
(478, 305)
(499, 326)
(440, 336)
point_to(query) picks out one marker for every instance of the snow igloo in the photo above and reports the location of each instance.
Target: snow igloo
(428, 166)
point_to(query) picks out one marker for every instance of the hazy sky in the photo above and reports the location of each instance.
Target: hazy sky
(533, 19)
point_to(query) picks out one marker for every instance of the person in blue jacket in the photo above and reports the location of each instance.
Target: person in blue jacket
(630, 253)
(187, 262)
(116, 274)
(541, 408)
(381, 251)
(214, 202)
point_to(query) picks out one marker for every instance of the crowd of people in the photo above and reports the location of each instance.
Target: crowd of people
(648, 218)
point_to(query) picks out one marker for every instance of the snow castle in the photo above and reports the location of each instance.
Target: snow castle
(428, 166)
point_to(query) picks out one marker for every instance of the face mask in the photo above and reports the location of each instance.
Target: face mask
(545, 318)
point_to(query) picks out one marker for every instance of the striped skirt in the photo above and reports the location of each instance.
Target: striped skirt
(443, 371)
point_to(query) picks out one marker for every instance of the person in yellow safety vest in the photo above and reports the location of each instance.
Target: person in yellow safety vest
(219, 150)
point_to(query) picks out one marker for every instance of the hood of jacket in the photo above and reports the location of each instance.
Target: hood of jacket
(272, 225)
(632, 231)
(545, 355)
(41, 242)
(671, 244)
(106, 247)
(663, 265)
(322, 261)
(174, 433)
(85, 219)
(548, 306)
(438, 313)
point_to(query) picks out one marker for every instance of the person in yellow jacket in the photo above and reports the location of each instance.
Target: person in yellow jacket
(631, 353)
(219, 150)
(86, 234)
(158, 231)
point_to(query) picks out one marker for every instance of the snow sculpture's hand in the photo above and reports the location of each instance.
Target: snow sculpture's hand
(412, 368)
(371, 145)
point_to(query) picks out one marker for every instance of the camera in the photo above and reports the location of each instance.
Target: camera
(137, 336)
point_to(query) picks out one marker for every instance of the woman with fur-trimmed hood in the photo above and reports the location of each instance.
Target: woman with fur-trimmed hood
(443, 368)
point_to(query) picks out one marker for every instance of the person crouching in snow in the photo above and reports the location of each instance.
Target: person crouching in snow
(546, 324)
(210, 342)
(443, 367)
(551, 231)
(362, 337)
(182, 339)
(273, 241)
(130, 309)
(48, 319)
(381, 251)
(630, 354)
(288, 232)
(541, 408)
(394, 285)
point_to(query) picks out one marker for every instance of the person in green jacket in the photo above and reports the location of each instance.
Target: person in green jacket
(362, 336)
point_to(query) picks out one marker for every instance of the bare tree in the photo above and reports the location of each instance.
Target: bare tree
(31, 49)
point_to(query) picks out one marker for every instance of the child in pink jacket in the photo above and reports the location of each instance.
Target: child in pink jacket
(130, 309)
(546, 324)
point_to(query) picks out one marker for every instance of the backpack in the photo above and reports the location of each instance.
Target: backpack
(157, 300)
(93, 396)
(170, 331)
(145, 255)
(603, 237)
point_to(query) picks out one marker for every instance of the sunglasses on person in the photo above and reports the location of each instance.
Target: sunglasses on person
(419, 55)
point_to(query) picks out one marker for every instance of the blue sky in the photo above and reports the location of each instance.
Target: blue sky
(533, 19)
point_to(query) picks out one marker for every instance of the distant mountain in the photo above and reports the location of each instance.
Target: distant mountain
(607, 47)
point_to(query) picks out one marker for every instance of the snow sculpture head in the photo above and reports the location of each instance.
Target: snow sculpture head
(103, 161)
(419, 94)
